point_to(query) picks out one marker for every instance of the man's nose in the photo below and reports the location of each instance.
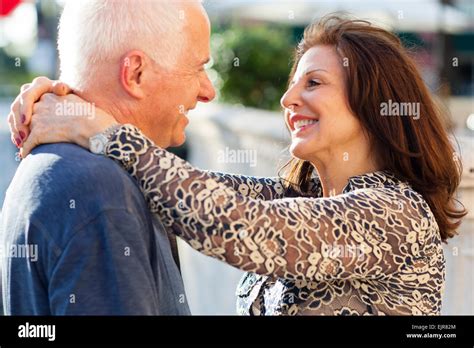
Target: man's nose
(207, 92)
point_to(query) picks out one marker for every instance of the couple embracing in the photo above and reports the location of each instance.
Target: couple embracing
(382, 186)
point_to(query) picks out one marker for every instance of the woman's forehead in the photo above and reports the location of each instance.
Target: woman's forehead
(322, 58)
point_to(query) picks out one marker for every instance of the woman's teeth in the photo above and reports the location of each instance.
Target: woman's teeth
(301, 123)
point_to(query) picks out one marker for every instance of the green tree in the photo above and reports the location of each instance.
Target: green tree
(253, 64)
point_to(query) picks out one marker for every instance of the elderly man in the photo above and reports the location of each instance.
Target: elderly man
(98, 249)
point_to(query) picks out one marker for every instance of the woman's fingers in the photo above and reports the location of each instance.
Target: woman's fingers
(25, 86)
(45, 128)
(28, 145)
(22, 108)
(32, 141)
(60, 88)
(13, 134)
(30, 95)
(17, 129)
(53, 105)
(18, 132)
(33, 93)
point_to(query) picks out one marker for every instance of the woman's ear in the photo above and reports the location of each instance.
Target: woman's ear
(132, 68)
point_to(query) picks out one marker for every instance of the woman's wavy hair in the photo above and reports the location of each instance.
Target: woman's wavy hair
(379, 70)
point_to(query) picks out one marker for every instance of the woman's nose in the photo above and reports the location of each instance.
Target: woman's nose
(289, 99)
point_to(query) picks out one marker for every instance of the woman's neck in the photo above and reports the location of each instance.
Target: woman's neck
(334, 174)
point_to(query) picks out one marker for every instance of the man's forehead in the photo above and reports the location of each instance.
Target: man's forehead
(197, 32)
(200, 49)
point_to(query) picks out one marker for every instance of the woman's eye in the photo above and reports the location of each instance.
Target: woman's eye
(313, 83)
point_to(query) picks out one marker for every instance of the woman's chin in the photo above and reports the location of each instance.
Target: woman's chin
(301, 150)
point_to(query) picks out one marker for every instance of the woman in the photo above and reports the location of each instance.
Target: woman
(367, 200)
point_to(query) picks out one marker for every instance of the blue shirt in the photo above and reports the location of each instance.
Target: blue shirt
(77, 238)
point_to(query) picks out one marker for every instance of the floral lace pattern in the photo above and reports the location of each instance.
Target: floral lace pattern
(375, 249)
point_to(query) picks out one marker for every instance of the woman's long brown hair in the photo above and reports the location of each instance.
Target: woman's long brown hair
(380, 70)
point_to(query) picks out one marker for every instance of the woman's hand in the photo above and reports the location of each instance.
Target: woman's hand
(59, 117)
(64, 119)
(22, 108)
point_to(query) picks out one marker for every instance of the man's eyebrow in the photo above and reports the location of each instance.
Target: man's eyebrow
(205, 61)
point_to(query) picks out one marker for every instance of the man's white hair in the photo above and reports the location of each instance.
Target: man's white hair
(92, 32)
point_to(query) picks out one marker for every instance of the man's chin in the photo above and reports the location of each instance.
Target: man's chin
(178, 141)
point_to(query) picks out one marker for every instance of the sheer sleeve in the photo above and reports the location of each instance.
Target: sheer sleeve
(341, 237)
(265, 188)
(253, 187)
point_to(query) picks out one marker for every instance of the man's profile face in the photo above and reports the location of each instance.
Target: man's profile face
(179, 89)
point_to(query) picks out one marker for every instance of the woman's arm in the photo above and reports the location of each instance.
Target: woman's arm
(327, 238)
(264, 188)
(55, 128)
(249, 186)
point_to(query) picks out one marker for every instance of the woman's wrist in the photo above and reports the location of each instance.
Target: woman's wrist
(127, 156)
(98, 142)
(90, 127)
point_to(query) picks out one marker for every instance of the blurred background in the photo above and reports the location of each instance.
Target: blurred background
(243, 130)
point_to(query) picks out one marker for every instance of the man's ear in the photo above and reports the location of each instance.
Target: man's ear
(132, 68)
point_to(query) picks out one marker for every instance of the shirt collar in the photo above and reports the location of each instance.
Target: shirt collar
(375, 179)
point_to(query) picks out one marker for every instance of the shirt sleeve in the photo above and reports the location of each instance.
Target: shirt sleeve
(340, 237)
(105, 269)
(264, 188)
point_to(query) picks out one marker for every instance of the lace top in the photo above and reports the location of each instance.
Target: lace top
(375, 249)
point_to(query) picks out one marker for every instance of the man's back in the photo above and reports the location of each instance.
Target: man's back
(77, 238)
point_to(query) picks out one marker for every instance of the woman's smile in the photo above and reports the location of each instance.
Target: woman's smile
(304, 128)
(301, 124)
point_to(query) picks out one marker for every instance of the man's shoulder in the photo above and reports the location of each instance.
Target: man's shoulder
(60, 188)
(71, 166)
(58, 174)
(60, 159)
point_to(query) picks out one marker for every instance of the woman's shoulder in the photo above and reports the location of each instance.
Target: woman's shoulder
(402, 202)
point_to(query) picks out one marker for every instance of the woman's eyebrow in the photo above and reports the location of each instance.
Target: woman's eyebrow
(313, 70)
(307, 73)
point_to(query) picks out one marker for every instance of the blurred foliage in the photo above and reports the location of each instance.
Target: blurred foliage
(12, 75)
(253, 64)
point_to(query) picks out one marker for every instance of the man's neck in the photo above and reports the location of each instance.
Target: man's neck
(115, 102)
(112, 105)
